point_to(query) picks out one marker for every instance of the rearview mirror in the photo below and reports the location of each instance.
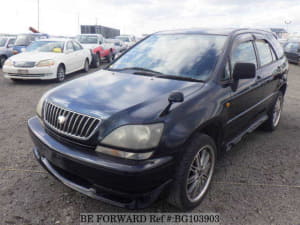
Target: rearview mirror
(244, 71)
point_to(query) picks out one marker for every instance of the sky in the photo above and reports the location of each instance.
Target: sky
(62, 17)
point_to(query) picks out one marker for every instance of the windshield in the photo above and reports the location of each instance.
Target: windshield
(45, 46)
(123, 38)
(184, 55)
(3, 42)
(23, 40)
(85, 39)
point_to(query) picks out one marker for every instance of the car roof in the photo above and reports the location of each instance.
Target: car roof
(221, 31)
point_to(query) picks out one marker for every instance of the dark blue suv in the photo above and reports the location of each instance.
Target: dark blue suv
(155, 120)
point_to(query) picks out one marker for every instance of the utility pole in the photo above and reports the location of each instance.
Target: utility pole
(287, 22)
(38, 14)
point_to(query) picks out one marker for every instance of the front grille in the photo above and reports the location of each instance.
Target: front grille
(70, 123)
(24, 64)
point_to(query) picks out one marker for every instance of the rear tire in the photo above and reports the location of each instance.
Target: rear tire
(2, 61)
(95, 60)
(194, 173)
(61, 74)
(275, 114)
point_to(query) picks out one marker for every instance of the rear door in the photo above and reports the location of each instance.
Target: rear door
(268, 72)
(80, 55)
(246, 94)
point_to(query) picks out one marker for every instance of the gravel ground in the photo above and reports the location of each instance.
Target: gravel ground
(257, 182)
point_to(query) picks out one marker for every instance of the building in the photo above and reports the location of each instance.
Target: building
(107, 32)
(280, 32)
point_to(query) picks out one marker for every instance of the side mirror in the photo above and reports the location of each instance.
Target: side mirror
(176, 97)
(244, 71)
(10, 45)
(100, 42)
(298, 50)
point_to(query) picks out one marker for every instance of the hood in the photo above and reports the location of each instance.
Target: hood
(34, 56)
(90, 46)
(105, 93)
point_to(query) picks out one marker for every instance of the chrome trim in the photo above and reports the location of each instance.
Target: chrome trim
(51, 112)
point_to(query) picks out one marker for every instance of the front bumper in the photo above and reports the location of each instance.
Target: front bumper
(131, 184)
(42, 73)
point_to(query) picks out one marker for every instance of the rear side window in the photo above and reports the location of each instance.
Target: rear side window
(277, 46)
(244, 52)
(264, 52)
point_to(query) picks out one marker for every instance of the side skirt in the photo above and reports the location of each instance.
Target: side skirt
(250, 129)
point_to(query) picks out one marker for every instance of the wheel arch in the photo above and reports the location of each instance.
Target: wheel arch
(63, 65)
(214, 129)
(283, 88)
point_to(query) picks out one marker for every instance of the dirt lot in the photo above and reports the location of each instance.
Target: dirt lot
(257, 182)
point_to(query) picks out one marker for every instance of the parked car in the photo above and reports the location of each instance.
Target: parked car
(48, 59)
(116, 44)
(292, 51)
(155, 121)
(6, 44)
(95, 42)
(129, 40)
(23, 40)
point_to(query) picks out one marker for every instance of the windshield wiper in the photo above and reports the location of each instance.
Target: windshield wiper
(179, 78)
(153, 73)
(136, 68)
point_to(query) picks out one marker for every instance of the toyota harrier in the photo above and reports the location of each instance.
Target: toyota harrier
(154, 121)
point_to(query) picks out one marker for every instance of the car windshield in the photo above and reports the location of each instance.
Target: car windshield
(123, 38)
(3, 42)
(23, 40)
(85, 39)
(192, 56)
(45, 46)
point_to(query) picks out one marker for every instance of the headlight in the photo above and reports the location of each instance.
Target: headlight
(48, 62)
(8, 62)
(39, 107)
(135, 137)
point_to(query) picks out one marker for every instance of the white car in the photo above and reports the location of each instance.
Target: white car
(129, 40)
(48, 59)
(116, 44)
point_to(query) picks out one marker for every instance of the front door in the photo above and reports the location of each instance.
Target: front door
(246, 93)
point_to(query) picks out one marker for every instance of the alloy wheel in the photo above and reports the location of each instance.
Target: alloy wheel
(277, 111)
(200, 173)
(60, 74)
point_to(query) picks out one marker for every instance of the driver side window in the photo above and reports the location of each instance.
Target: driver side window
(245, 53)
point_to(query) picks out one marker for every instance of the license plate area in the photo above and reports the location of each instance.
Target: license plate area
(22, 71)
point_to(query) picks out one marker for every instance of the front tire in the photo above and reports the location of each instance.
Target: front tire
(2, 61)
(61, 73)
(275, 114)
(194, 174)
(86, 66)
